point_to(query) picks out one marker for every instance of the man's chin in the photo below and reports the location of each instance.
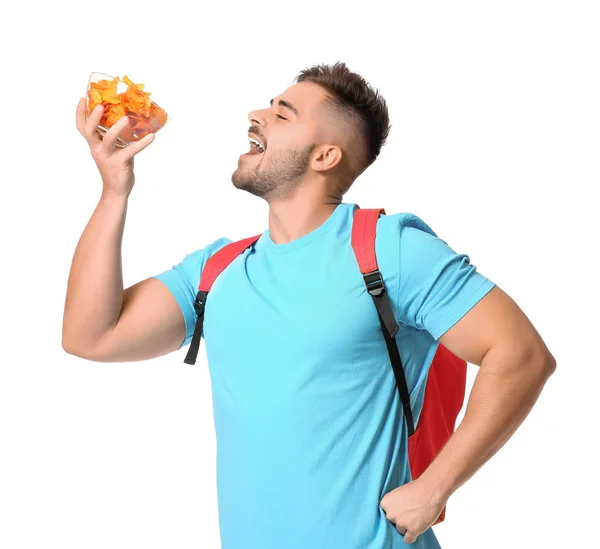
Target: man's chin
(241, 182)
(237, 177)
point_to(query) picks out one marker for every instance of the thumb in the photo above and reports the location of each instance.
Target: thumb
(410, 537)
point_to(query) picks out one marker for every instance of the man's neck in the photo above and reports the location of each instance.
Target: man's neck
(295, 217)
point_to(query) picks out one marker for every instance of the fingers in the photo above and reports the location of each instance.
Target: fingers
(136, 146)
(409, 537)
(109, 140)
(110, 137)
(80, 116)
(88, 128)
(133, 147)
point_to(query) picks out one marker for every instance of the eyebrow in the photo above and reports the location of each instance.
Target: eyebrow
(287, 105)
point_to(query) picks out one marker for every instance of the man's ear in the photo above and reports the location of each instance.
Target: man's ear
(325, 157)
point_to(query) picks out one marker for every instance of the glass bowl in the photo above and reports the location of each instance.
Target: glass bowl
(122, 97)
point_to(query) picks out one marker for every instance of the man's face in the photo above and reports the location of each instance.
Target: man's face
(288, 130)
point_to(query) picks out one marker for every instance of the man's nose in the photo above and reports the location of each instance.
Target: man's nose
(256, 118)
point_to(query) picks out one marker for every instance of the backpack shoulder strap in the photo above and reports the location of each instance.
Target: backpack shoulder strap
(221, 259)
(364, 229)
(213, 267)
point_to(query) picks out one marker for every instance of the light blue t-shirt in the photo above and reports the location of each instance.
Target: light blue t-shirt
(309, 427)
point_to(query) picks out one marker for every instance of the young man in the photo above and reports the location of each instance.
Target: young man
(310, 433)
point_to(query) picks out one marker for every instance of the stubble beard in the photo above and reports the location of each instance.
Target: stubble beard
(275, 178)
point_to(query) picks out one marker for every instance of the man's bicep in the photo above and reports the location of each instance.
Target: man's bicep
(150, 325)
(495, 322)
(157, 316)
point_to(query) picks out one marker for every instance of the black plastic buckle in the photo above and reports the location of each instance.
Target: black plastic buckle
(374, 282)
(200, 302)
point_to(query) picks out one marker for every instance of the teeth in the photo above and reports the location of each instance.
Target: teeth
(258, 145)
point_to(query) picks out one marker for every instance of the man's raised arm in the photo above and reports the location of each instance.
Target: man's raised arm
(102, 321)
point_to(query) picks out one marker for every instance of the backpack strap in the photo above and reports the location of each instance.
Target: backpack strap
(364, 229)
(214, 266)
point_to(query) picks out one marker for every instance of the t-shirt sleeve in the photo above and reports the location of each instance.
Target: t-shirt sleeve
(437, 285)
(183, 280)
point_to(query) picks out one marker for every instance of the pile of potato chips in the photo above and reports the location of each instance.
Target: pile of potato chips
(145, 116)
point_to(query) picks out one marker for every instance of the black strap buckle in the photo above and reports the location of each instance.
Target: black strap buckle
(200, 302)
(374, 283)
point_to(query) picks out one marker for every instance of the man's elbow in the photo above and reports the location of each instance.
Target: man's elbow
(79, 351)
(69, 341)
(549, 364)
(541, 362)
(68, 347)
(531, 361)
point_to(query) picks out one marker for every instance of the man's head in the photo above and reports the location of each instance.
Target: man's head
(328, 127)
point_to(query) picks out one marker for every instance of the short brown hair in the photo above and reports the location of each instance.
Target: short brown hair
(353, 99)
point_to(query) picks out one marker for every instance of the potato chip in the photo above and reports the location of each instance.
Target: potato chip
(145, 116)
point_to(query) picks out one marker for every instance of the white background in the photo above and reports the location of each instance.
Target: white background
(494, 143)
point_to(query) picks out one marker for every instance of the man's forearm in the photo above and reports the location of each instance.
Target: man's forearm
(504, 391)
(95, 288)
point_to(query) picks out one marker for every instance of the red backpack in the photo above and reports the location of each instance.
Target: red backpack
(446, 379)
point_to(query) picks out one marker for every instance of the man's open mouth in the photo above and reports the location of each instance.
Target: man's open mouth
(256, 147)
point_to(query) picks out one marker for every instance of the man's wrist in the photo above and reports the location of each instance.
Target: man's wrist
(114, 197)
(439, 482)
